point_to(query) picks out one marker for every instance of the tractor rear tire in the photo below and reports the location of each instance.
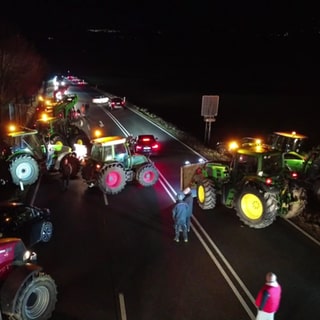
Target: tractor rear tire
(36, 300)
(112, 179)
(299, 203)
(24, 169)
(147, 175)
(206, 194)
(256, 208)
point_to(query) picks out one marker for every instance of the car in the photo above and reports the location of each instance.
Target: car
(116, 103)
(59, 80)
(147, 144)
(100, 99)
(30, 223)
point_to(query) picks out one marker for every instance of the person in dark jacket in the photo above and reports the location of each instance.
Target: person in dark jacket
(188, 198)
(179, 215)
(66, 170)
(268, 298)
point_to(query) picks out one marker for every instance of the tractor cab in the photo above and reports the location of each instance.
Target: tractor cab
(24, 141)
(288, 141)
(260, 161)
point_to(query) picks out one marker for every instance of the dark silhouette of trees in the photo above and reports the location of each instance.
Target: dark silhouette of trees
(22, 69)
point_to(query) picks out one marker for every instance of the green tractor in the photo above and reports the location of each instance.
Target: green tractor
(23, 152)
(63, 124)
(256, 183)
(111, 165)
(300, 158)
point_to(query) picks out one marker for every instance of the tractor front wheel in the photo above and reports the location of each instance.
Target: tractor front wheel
(206, 194)
(58, 140)
(256, 208)
(81, 139)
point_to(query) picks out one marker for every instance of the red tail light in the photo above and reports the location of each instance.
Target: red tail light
(268, 181)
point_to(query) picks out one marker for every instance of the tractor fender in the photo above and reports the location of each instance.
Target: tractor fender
(257, 183)
(112, 163)
(11, 286)
(19, 153)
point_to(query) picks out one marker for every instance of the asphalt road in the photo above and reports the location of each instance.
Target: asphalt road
(114, 258)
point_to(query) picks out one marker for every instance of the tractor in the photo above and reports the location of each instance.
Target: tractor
(300, 157)
(26, 292)
(23, 152)
(63, 124)
(111, 164)
(255, 182)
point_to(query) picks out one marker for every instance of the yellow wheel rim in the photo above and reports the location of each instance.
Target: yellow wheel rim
(201, 194)
(252, 206)
(79, 141)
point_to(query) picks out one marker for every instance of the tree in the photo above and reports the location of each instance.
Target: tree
(22, 69)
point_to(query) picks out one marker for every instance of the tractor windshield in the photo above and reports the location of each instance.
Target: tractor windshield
(97, 153)
(272, 164)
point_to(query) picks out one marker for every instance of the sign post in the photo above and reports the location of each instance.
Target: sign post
(209, 111)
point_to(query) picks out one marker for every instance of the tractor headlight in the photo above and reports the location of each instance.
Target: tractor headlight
(29, 256)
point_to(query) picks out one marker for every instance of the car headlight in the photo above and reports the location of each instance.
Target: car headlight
(100, 100)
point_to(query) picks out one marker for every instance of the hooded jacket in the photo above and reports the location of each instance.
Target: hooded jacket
(180, 212)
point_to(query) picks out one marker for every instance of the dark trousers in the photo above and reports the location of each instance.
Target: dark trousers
(65, 182)
(181, 228)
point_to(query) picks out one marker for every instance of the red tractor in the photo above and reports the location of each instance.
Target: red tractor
(26, 292)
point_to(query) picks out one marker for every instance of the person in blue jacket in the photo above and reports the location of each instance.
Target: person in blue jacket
(180, 215)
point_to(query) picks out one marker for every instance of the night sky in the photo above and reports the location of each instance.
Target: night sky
(188, 48)
(189, 23)
(250, 16)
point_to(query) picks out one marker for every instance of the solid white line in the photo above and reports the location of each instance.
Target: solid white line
(226, 277)
(123, 314)
(167, 183)
(105, 199)
(302, 231)
(166, 189)
(140, 114)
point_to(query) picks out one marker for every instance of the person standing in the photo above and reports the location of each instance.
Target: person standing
(50, 156)
(188, 198)
(66, 170)
(268, 298)
(179, 215)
